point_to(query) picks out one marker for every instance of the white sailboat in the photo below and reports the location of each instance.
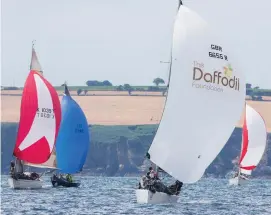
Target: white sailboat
(253, 145)
(206, 93)
(40, 118)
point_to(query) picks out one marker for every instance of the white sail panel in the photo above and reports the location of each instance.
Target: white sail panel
(257, 139)
(41, 126)
(35, 65)
(205, 100)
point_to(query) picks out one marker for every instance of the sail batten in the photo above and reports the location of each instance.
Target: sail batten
(204, 101)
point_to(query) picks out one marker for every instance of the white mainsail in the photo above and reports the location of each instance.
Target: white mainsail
(205, 100)
(254, 140)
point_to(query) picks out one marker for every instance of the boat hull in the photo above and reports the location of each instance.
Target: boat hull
(25, 184)
(56, 182)
(237, 181)
(147, 197)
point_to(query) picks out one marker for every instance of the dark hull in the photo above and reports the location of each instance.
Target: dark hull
(56, 182)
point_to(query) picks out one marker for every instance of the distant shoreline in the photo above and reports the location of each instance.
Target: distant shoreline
(118, 150)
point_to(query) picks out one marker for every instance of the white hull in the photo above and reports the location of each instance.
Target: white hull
(237, 181)
(147, 197)
(25, 184)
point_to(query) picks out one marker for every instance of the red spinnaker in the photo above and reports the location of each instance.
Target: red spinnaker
(42, 118)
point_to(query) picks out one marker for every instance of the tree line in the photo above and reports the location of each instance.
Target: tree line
(254, 92)
(125, 87)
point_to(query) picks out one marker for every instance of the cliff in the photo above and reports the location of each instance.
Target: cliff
(120, 150)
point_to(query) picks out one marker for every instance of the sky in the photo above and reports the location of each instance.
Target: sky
(123, 41)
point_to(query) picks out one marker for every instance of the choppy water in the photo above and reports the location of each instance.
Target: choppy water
(100, 195)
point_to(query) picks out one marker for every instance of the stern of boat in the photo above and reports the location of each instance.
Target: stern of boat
(24, 184)
(147, 197)
(237, 181)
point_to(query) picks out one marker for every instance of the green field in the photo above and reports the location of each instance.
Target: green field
(104, 88)
(111, 134)
(262, 92)
(250, 91)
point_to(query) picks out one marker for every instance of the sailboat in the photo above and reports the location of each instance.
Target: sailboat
(253, 145)
(73, 141)
(206, 93)
(40, 117)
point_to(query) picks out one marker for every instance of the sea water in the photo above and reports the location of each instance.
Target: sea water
(116, 195)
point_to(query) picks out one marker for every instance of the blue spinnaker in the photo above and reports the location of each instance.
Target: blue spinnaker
(73, 139)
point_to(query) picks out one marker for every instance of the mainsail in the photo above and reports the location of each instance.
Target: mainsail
(254, 140)
(40, 118)
(35, 65)
(205, 98)
(73, 139)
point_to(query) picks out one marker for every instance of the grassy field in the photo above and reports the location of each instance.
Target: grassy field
(113, 88)
(105, 88)
(90, 93)
(100, 88)
(110, 134)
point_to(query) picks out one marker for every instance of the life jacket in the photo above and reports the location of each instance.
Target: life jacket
(69, 178)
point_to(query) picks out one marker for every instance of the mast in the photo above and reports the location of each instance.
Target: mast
(66, 92)
(170, 65)
(33, 44)
(180, 3)
(242, 139)
(18, 162)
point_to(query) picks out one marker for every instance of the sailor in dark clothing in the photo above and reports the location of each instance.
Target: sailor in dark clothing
(149, 172)
(175, 188)
(12, 169)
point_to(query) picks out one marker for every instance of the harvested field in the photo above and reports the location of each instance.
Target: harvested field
(117, 109)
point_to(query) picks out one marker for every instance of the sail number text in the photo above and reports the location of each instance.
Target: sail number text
(45, 113)
(216, 54)
(79, 128)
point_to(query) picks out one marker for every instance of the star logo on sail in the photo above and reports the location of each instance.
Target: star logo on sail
(228, 70)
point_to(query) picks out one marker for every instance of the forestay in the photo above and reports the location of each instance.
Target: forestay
(73, 139)
(254, 140)
(205, 100)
